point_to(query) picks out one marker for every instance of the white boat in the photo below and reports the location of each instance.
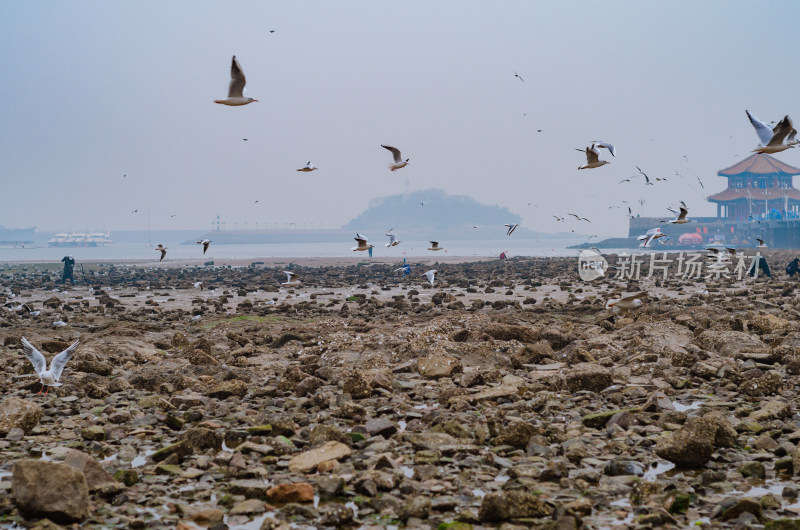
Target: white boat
(80, 239)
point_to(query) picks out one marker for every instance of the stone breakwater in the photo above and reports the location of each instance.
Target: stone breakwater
(503, 395)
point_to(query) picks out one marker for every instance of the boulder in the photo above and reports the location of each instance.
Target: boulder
(512, 504)
(45, 489)
(588, 376)
(286, 493)
(18, 413)
(96, 477)
(691, 446)
(437, 366)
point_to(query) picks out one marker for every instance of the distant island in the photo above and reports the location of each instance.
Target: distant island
(430, 211)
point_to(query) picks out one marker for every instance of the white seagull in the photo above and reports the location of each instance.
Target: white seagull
(772, 138)
(593, 158)
(308, 167)
(362, 243)
(761, 243)
(205, 244)
(290, 281)
(398, 158)
(680, 218)
(47, 377)
(511, 227)
(393, 242)
(161, 248)
(431, 274)
(621, 306)
(653, 233)
(434, 245)
(236, 88)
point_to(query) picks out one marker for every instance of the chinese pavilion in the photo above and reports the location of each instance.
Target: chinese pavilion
(758, 185)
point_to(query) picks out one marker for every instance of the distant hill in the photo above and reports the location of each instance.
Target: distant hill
(439, 213)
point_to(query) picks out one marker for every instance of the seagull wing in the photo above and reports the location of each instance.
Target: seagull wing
(760, 241)
(236, 88)
(781, 131)
(592, 156)
(395, 152)
(431, 276)
(607, 146)
(34, 356)
(60, 361)
(763, 130)
(683, 214)
(288, 276)
(434, 243)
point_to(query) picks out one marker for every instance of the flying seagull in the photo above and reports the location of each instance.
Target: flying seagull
(362, 243)
(761, 243)
(653, 233)
(593, 158)
(701, 183)
(161, 248)
(578, 217)
(47, 377)
(680, 218)
(621, 306)
(431, 274)
(518, 76)
(290, 279)
(308, 167)
(205, 244)
(393, 242)
(558, 219)
(434, 245)
(236, 88)
(511, 227)
(772, 138)
(398, 158)
(648, 183)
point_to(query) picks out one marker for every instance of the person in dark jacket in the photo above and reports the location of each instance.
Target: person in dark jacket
(69, 265)
(793, 266)
(759, 263)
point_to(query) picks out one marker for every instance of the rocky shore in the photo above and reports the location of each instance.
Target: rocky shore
(503, 396)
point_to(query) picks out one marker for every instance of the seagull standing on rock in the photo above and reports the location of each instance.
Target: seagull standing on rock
(47, 377)
(236, 88)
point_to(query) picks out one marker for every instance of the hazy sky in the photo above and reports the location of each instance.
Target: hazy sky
(93, 91)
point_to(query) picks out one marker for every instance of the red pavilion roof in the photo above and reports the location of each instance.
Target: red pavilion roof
(759, 164)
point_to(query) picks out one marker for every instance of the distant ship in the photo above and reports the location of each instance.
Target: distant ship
(16, 236)
(80, 239)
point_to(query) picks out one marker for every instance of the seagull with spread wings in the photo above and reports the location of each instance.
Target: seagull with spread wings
(48, 378)
(393, 242)
(398, 158)
(362, 243)
(291, 279)
(772, 138)
(593, 158)
(236, 88)
(161, 248)
(621, 306)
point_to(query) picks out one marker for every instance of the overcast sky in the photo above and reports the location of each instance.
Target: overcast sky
(93, 91)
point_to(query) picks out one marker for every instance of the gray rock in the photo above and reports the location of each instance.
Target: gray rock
(96, 477)
(380, 426)
(512, 504)
(18, 413)
(588, 376)
(46, 489)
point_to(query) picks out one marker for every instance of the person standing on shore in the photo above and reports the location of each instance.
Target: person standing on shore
(69, 265)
